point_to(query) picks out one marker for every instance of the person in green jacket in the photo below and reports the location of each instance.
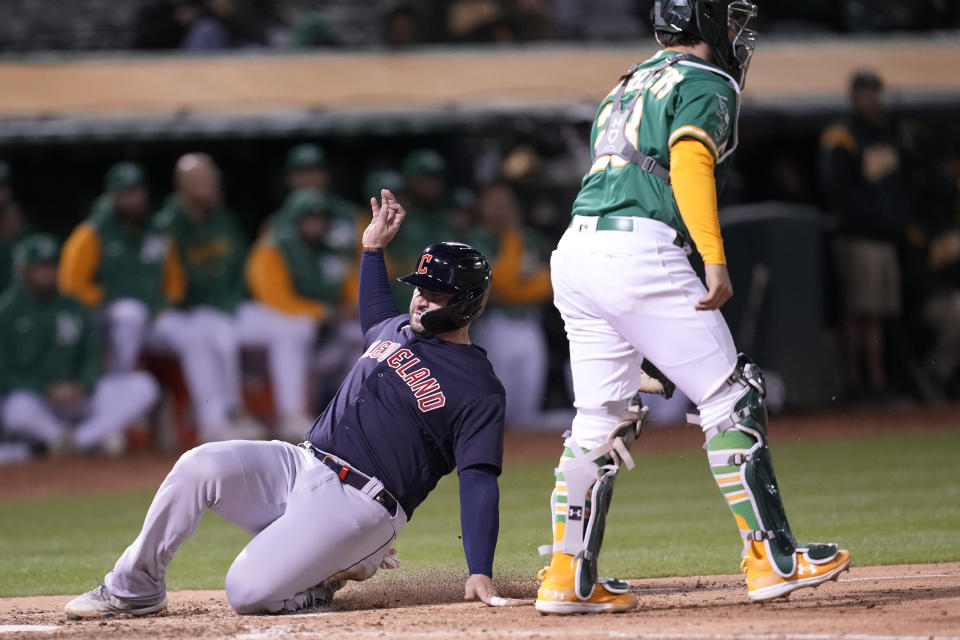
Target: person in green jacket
(50, 354)
(118, 263)
(299, 283)
(209, 250)
(306, 167)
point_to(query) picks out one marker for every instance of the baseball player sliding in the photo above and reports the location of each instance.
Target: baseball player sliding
(626, 291)
(419, 402)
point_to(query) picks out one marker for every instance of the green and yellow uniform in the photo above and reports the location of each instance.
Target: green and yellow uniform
(343, 235)
(286, 274)
(688, 101)
(210, 253)
(45, 340)
(106, 260)
(521, 280)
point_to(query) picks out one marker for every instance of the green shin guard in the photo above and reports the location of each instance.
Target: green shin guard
(742, 466)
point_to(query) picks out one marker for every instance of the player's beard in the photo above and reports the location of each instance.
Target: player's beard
(415, 325)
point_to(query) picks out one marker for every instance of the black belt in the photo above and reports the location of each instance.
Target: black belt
(357, 480)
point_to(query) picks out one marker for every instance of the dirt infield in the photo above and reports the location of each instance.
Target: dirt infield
(906, 602)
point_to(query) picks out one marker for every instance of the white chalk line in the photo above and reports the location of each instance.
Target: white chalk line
(714, 587)
(926, 575)
(26, 628)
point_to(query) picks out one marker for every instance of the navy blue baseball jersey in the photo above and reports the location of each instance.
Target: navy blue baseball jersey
(412, 409)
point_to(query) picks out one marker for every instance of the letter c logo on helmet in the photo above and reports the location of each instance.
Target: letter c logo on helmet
(457, 269)
(424, 259)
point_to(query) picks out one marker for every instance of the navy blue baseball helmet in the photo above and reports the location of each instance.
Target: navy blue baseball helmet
(457, 268)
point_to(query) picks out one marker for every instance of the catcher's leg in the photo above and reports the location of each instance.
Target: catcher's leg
(735, 426)
(578, 508)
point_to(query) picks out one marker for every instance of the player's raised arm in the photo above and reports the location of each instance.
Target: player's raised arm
(375, 301)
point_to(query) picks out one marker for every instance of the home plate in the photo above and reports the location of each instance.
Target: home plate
(19, 628)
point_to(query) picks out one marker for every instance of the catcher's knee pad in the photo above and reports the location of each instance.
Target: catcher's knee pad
(589, 477)
(744, 469)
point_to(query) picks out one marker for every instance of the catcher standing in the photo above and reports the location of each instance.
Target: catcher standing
(627, 292)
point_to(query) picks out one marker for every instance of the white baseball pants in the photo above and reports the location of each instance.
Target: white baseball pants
(629, 295)
(288, 340)
(309, 529)
(206, 342)
(117, 400)
(126, 327)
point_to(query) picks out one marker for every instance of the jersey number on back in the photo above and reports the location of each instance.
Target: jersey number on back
(661, 88)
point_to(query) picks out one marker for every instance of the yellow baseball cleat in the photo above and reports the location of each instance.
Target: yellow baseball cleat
(557, 595)
(815, 564)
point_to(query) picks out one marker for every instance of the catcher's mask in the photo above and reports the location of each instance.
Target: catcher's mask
(722, 24)
(457, 268)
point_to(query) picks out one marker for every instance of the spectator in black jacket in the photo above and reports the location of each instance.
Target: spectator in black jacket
(860, 170)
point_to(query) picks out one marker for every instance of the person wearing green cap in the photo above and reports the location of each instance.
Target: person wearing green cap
(12, 225)
(50, 354)
(306, 168)
(208, 250)
(429, 208)
(299, 282)
(119, 263)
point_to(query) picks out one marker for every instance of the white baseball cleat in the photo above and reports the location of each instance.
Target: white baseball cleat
(100, 604)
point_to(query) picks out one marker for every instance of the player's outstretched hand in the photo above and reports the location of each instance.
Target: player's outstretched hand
(719, 288)
(481, 587)
(388, 214)
(391, 561)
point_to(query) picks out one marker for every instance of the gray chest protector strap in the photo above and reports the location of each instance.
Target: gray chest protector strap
(613, 141)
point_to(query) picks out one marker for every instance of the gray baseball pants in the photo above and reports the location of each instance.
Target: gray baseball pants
(309, 529)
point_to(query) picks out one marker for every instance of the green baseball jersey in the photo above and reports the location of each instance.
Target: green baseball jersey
(535, 258)
(45, 340)
(690, 98)
(343, 221)
(212, 252)
(131, 261)
(318, 273)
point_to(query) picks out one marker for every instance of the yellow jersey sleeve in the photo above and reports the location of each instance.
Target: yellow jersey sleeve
(509, 285)
(271, 284)
(79, 260)
(695, 189)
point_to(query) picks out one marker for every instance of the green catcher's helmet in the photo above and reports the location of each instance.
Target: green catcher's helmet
(722, 24)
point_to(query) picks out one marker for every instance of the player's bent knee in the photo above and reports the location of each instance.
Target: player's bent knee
(17, 410)
(250, 591)
(244, 595)
(738, 403)
(207, 462)
(129, 313)
(144, 387)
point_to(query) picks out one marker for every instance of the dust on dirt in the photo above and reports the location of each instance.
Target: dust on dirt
(905, 602)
